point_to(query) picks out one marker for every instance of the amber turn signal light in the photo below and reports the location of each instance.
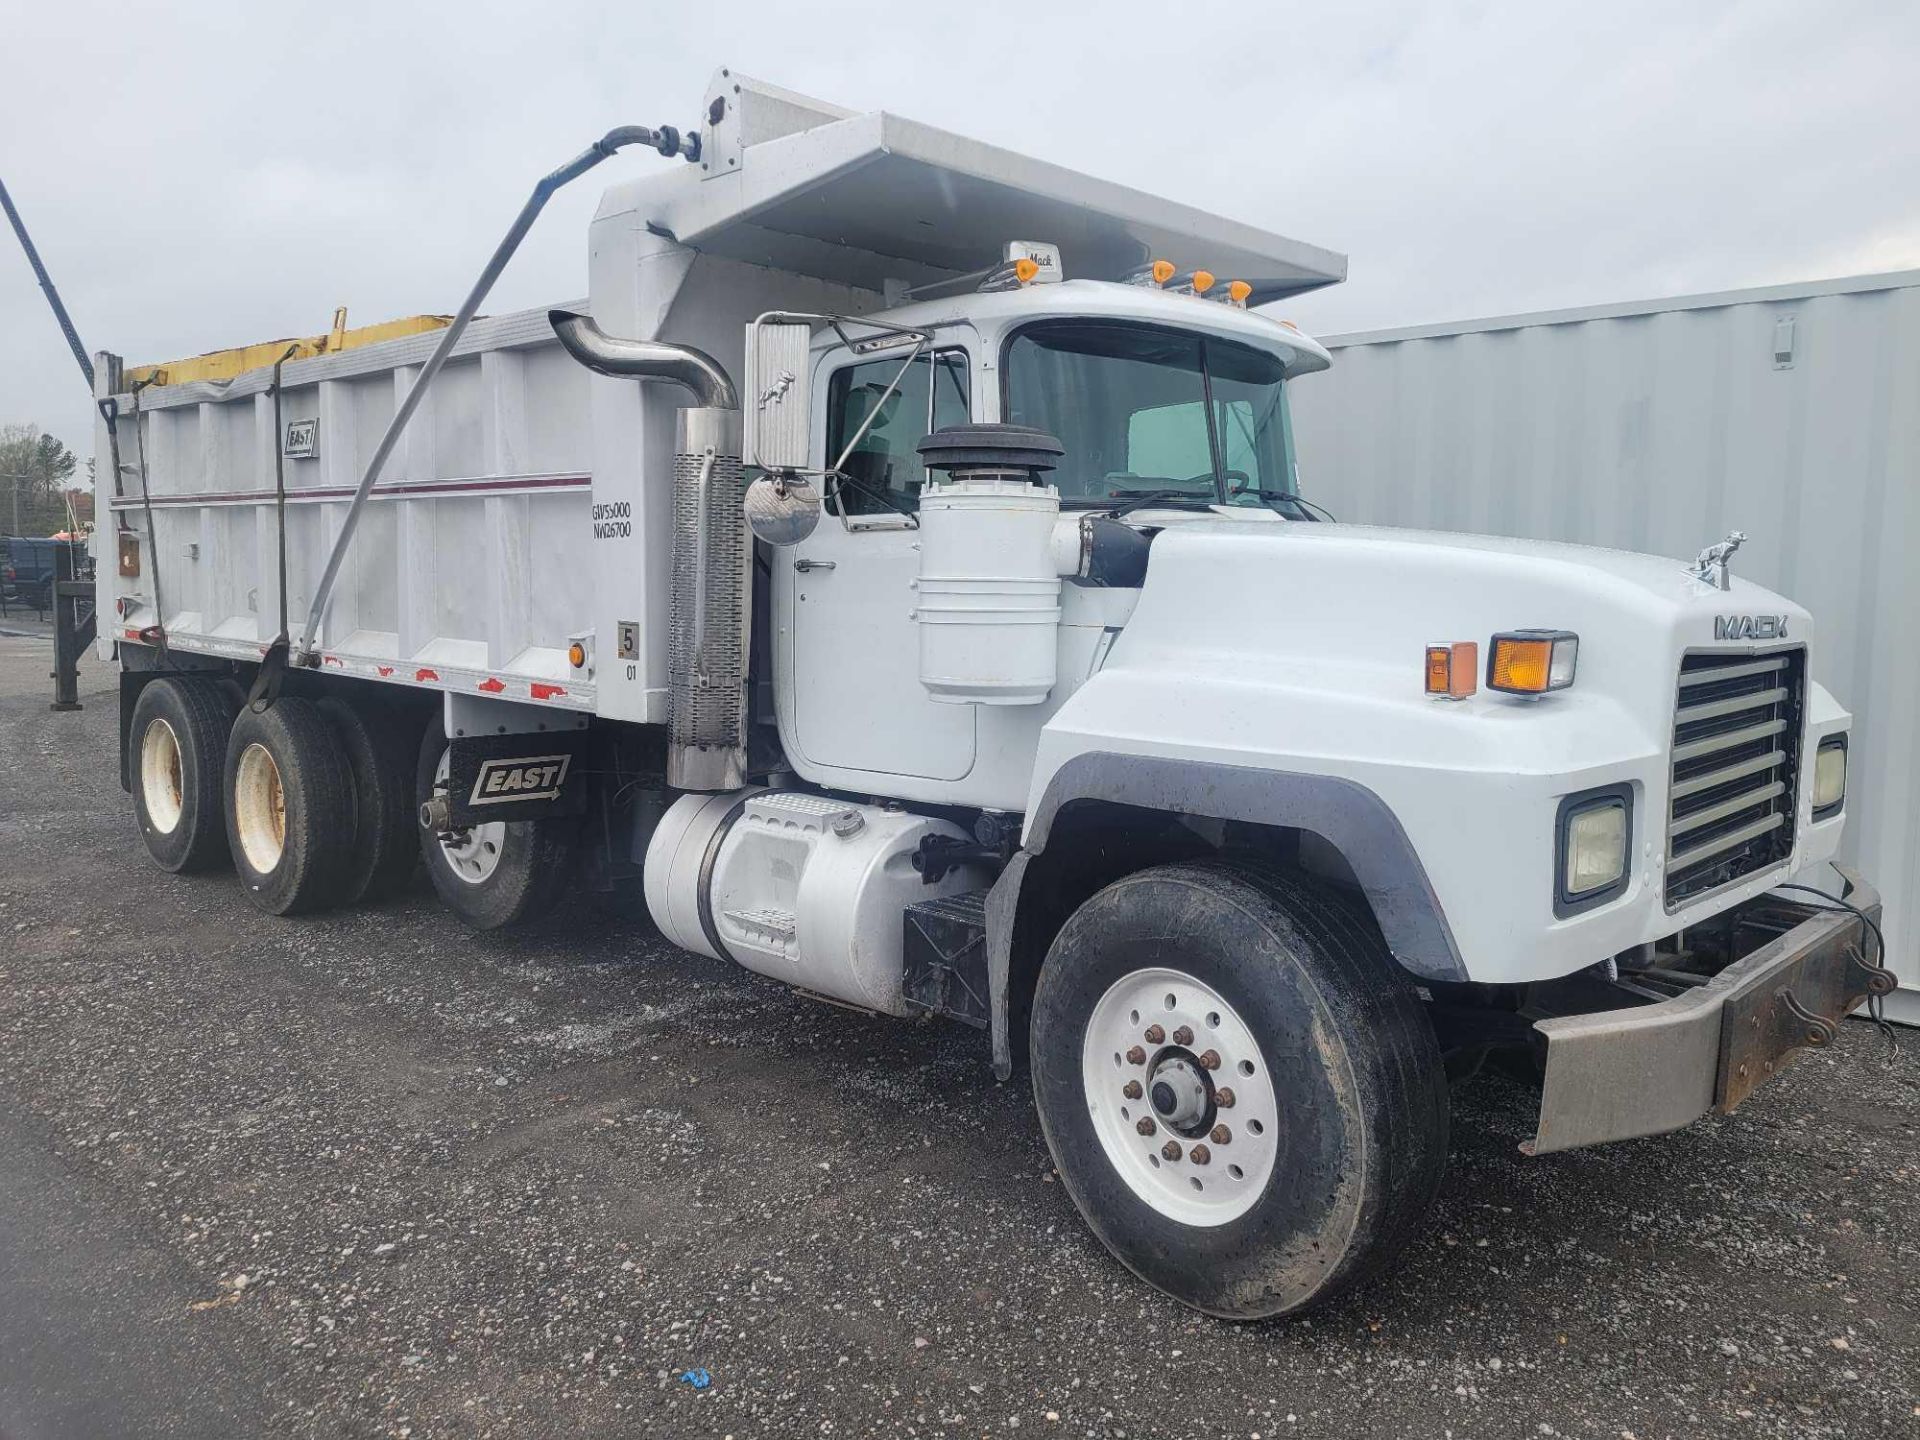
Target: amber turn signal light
(1532, 662)
(1453, 671)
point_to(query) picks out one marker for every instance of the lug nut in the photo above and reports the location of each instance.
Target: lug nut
(1131, 1090)
(1170, 1150)
(1145, 1125)
(1155, 1035)
(1211, 1060)
(1221, 1135)
(1183, 1036)
(1200, 1155)
(1223, 1097)
(1136, 1056)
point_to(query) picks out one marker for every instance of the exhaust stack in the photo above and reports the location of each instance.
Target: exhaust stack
(710, 596)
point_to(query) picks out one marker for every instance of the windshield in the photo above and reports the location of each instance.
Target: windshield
(1142, 410)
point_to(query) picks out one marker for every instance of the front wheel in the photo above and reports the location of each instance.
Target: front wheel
(1238, 1085)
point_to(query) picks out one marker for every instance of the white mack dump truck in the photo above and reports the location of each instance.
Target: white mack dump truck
(894, 571)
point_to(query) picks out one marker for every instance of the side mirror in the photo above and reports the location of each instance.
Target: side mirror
(778, 404)
(782, 508)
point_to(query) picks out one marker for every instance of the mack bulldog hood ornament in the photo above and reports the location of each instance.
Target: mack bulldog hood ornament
(1710, 566)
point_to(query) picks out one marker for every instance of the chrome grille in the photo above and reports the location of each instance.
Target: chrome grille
(1736, 751)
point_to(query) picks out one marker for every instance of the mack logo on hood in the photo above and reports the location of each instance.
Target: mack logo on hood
(537, 778)
(1749, 627)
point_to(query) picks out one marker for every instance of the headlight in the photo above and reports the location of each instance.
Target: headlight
(1829, 776)
(1595, 832)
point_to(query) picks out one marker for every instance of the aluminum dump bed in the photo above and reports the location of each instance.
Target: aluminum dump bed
(526, 506)
(466, 572)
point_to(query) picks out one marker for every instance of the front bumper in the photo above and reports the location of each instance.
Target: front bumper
(1618, 1074)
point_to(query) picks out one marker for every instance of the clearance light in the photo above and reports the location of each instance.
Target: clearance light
(1453, 671)
(1025, 268)
(1202, 281)
(1237, 293)
(1157, 274)
(1532, 662)
(576, 654)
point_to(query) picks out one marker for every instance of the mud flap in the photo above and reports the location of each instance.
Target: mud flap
(516, 777)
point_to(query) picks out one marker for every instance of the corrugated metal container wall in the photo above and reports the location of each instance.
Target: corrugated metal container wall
(1792, 413)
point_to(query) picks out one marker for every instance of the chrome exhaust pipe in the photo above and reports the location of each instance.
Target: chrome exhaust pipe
(645, 360)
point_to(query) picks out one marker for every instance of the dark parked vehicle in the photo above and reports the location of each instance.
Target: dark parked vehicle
(27, 568)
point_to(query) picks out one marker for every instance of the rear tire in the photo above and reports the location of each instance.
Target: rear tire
(1179, 980)
(379, 750)
(289, 807)
(177, 748)
(498, 874)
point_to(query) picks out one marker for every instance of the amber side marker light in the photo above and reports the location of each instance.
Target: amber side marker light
(1532, 662)
(1453, 671)
(576, 654)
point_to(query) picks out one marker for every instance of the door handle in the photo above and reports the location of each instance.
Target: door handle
(805, 565)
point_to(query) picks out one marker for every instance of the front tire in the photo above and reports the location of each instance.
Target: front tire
(1239, 1087)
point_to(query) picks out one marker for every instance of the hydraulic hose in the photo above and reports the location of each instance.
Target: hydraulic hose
(668, 141)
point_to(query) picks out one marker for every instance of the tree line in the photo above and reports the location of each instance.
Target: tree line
(36, 471)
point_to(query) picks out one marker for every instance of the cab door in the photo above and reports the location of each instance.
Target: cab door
(852, 689)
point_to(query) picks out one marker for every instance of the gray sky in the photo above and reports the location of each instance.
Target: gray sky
(204, 175)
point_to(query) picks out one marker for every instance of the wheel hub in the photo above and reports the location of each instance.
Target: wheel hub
(1179, 1094)
(473, 851)
(162, 781)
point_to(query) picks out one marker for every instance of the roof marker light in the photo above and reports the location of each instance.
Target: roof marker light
(1202, 281)
(1237, 293)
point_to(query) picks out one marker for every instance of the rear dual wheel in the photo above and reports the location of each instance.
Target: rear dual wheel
(495, 874)
(176, 744)
(1239, 1087)
(290, 816)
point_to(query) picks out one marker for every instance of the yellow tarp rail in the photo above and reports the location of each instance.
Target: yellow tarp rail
(226, 364)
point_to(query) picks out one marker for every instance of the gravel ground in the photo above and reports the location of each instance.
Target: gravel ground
(369, 1175)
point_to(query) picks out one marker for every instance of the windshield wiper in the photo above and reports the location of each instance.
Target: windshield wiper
(1305, 506)
(1170, 499)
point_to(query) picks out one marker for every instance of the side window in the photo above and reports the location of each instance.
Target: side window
(883, 473)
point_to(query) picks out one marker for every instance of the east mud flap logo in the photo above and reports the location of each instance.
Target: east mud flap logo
(1749, 627)
(539, 777)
